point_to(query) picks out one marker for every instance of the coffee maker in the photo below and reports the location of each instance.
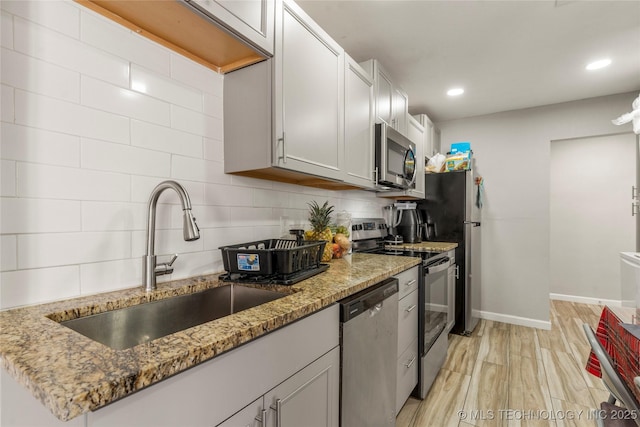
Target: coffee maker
(403, 220)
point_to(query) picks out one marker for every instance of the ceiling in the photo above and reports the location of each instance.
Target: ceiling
(506, 54)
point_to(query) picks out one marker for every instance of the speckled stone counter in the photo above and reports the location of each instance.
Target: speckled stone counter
(426, 246)
(72, 374)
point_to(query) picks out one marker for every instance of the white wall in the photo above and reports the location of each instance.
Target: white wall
(512, 152)
(590, 215)
(93, 117)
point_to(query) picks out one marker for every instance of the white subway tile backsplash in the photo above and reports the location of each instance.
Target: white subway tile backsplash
(7, 178)
(112, 216)
(213, 149)
(270, 198)
(167, 242)
(54, 182)
(198, 170)
(224, 195)
(66, 117)
(206, 216)
(60, 16)
(251, 217)
(195, 264)
(40, 285)
(195, 122)
(110, 157)
(39, 146)
(120, 41)
(111, 275)
(246, 181)
(18, 215)
(162, 138)
(7, 99)
(8, 252)
(68, 52)
(213, 105)
(195, 75)
(48, 250)
(43, 77)
(141, 188)
(104, 96)
(158, 86)
(6, 29)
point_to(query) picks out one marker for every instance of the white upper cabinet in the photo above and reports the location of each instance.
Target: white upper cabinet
(391, 102)
(284, 118)
(358, 125)
(431, 135)
(400, 121)
(309, 86)
(251, 20)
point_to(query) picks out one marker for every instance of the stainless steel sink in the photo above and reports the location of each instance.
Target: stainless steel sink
(127, 327)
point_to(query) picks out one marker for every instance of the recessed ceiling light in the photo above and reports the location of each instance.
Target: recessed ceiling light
(596, 65)
(455, 91)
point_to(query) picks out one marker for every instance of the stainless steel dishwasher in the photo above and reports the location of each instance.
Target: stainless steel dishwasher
(369, 342)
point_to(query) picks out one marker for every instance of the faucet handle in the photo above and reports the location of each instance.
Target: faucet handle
(172, 260)
(165, 267)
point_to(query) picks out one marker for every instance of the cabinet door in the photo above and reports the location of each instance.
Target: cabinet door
(415, 134)
(309, 398)
(400, 109)
(384, 96)
(252, 20)
(358, 124)
(251, 416)
(309, 88)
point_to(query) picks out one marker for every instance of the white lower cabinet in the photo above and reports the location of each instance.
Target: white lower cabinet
(250, 416)
(298, 364)
(308, 398)
(407, 363)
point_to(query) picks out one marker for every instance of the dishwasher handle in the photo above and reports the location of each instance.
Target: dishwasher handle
(367, 299)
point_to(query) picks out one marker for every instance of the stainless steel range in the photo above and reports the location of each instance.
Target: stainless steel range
(436, 293)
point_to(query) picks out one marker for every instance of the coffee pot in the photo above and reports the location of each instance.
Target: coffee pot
(402, 219)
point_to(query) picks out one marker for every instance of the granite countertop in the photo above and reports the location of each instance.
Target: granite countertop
(72, 374)
(425, 246)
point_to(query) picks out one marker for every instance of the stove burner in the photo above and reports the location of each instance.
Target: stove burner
(273, 279)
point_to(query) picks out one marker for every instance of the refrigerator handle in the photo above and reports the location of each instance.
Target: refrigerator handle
(474, 223)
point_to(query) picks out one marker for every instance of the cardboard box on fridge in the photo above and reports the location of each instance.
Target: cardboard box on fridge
(459, 161)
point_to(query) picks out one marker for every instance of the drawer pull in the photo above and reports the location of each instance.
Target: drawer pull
(262, 418)
(413, 359)
(410, 309)
(410, 282)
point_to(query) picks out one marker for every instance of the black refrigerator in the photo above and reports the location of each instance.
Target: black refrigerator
(451, 213)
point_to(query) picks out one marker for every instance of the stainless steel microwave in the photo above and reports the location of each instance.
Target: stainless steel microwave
(395, 165)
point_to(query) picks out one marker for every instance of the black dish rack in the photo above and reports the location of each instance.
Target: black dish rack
(272, 257)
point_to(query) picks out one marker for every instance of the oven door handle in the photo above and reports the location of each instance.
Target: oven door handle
(441, 266)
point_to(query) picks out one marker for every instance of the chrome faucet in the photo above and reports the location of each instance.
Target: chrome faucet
(189, 226)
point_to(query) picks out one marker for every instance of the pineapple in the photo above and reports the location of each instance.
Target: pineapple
(320, 217)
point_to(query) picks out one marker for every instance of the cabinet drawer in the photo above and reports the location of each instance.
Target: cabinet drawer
(407, 281)
(407, 374)
(407, 320)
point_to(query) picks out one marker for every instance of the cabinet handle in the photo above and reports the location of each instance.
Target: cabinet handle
(410, 282)
(375, 176)
(457, 271)
(410, 309)
(284, 150)
(262, 418)
(413, 359)
(278, 409)
(634, 192)
(635, 209)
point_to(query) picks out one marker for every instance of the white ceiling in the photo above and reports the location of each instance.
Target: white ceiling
(506, 54)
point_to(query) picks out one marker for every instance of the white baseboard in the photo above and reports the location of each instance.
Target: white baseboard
(516, 320)
(586, 300)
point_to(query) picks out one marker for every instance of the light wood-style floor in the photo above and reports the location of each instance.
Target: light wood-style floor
(508, 375)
